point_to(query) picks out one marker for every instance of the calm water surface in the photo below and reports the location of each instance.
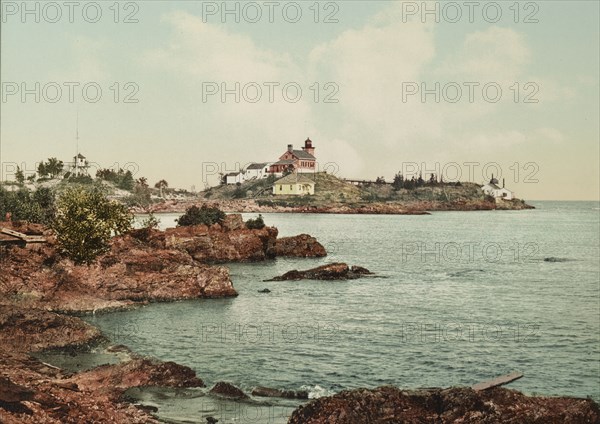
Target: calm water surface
(460, 297)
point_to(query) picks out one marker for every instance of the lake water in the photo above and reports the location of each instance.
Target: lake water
(460, 297)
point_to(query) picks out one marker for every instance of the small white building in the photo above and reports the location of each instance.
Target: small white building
(497, 192)
(257, 171)
(234, 178)
(80, 166)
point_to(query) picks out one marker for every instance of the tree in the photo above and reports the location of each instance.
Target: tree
(19, 176)
(398, 181)
(42, 170)
(31, 178)
(126, 181)
(161, 185)
(86, 220)
(205, 215)
(54, 167)
(142, 182)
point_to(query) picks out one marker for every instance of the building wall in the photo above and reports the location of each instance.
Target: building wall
(239, 178)
(295, 189)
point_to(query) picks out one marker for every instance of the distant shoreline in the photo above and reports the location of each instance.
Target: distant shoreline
(363, 208)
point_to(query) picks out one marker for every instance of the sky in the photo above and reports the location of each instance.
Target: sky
(183, 90)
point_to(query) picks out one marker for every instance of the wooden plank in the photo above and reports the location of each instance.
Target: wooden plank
(13, 233)
(23, 237)
(35, 239)
(498, 381)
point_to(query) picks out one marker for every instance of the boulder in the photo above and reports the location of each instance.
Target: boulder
(335, 271)
(302, 246)
(228, 390)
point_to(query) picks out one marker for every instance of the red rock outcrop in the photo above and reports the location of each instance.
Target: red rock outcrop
(110, 381)
(455, 405)
(302, 246)
(231, 241)
(132, 271)
(220, 244)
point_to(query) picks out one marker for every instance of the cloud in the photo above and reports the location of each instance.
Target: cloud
(213, 53)
(371, 123)
(495, 54)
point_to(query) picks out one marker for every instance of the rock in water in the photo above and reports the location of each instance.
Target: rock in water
(335, 271)
(287, 394)
(302, 246)
(228, 390)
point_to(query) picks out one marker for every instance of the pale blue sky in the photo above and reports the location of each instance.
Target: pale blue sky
(370, 54)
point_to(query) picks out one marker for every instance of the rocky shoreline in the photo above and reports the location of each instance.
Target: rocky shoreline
(423, 207)
(41, 292)
(38, 286)
(454, 405)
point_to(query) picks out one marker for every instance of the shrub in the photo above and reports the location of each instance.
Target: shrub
(256, 223)
(151, 222)
(239, 193)
(85, 221)
(22, 205)
(196, 216)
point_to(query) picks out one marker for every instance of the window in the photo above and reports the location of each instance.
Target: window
(280, 187)
(291, 187)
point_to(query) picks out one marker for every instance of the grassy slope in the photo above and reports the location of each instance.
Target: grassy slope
(330, 189)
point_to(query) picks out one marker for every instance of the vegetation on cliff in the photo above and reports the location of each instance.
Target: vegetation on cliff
(86, 220)
(201, 216)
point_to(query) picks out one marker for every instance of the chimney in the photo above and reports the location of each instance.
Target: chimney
(290, 148)
(502, 182)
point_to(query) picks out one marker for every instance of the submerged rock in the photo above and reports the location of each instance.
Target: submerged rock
(287, 394)
(228, 390)
(335, 271)
(392, 405)
(553, 259)
(264, 291)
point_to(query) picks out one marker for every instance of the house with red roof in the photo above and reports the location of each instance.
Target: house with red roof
(300, 161)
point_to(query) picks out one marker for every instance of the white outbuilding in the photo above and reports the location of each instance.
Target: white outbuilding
(493, 189)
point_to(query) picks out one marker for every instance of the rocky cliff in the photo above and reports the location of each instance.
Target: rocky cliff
(141, 266)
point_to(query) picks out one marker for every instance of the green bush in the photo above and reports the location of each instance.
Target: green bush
(196, 216)
(256, 223)
(24, 206)
(86, 220)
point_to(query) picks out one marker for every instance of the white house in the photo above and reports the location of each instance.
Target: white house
(257, 171)
(492, 189)
(234, 178)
